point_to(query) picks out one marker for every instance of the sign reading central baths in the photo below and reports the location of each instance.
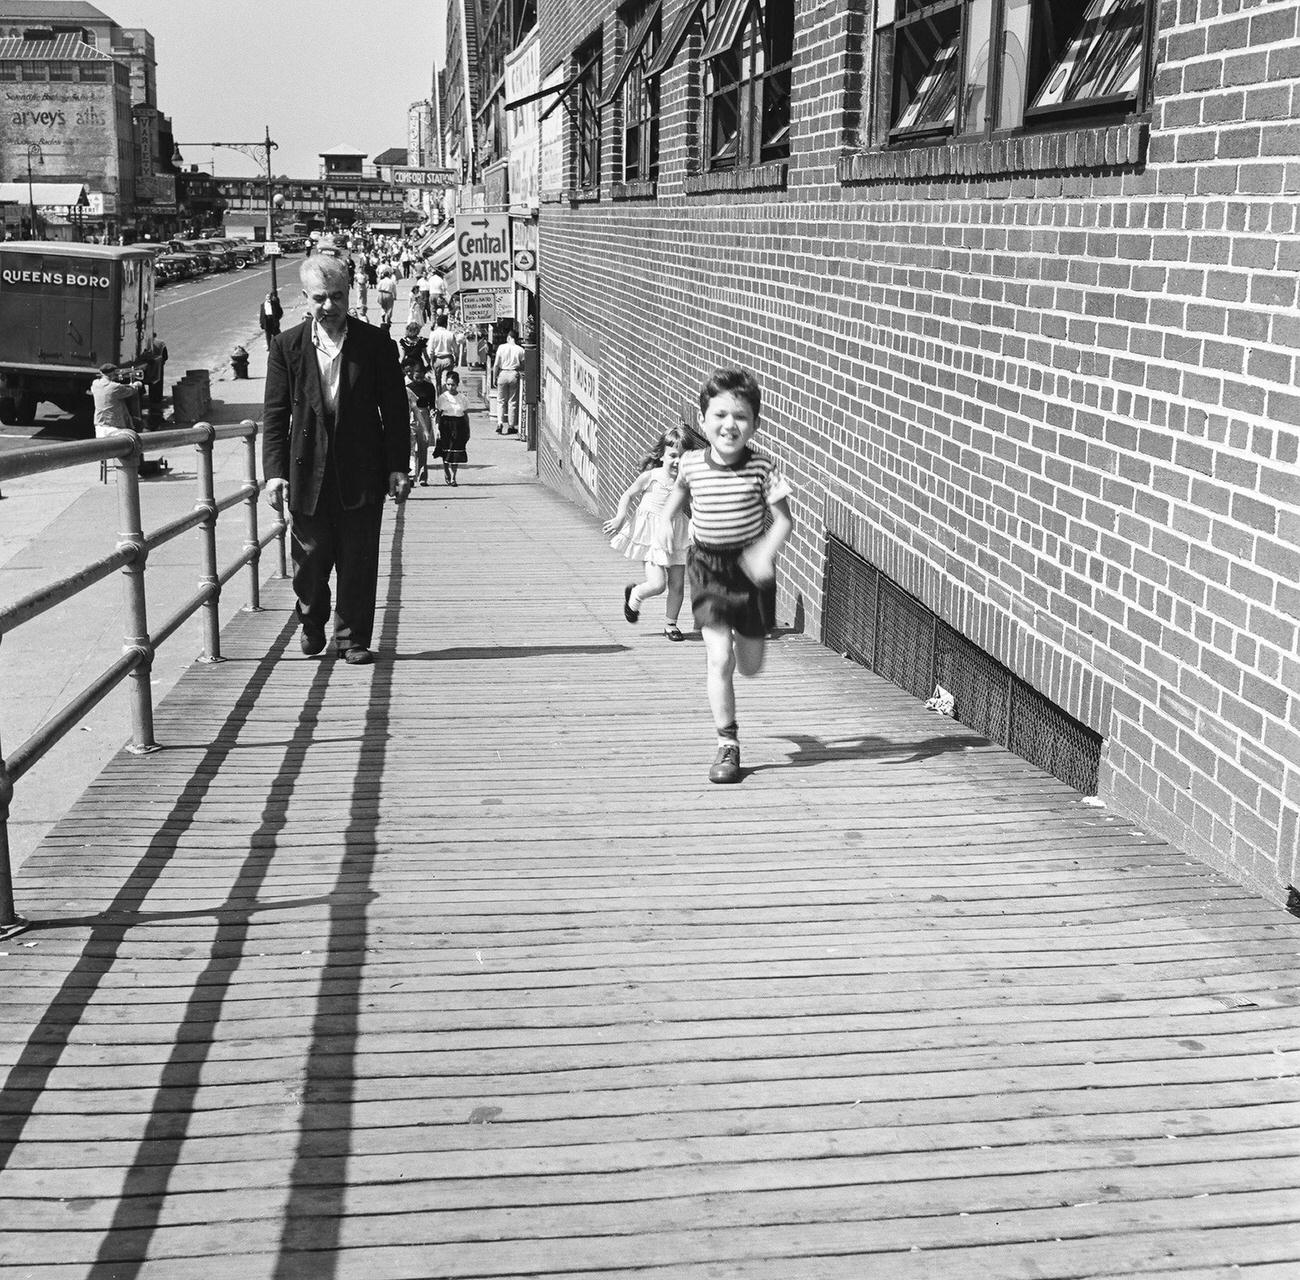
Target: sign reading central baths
(483, 250)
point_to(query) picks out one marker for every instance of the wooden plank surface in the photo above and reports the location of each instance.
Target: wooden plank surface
(458, 966)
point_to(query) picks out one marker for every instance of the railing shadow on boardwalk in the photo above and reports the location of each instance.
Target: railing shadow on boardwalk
(49, 1038)
(317, 1183)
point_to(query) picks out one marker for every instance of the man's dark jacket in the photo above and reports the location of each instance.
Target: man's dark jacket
(371, 435)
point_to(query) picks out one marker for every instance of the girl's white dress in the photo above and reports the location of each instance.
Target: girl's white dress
(644, 538)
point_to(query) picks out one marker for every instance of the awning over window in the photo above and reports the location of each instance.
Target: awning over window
(726, 27)
(676, 37)
(560, 90)
(59, 195)
(635, 40)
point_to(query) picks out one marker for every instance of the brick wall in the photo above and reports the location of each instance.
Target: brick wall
(1048, 384)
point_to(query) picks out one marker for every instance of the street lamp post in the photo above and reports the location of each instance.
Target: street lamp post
(261, 153)
(33, 152)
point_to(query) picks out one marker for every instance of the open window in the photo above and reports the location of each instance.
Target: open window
(586, 117)
(638, 92)
(747, 60)
(963, 68)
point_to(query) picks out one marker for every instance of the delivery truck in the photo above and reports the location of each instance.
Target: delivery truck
(67, 309)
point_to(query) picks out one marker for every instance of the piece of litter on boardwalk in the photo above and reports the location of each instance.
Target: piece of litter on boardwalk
(942, 701)
(478, 955)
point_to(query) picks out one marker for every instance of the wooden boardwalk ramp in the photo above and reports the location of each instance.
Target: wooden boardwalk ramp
(457, 966)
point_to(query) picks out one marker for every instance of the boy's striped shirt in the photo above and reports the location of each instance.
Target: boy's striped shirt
(729, 505)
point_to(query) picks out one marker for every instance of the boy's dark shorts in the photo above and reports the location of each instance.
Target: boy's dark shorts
(721, 594)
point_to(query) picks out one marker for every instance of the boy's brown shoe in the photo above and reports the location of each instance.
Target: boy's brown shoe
(726, 764)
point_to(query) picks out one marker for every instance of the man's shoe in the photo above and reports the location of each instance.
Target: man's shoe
(357, 656)
(726, 764)
(312, 640)
(631, 614)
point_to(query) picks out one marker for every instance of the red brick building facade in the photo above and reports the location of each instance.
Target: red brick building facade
(1027, 330)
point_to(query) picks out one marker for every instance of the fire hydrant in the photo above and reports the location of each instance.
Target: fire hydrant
(239, 362)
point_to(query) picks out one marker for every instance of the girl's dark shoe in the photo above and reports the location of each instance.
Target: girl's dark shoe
(631, 614)
(672, 632)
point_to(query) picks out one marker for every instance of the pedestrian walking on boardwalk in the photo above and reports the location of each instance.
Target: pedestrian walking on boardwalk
(740, 520)
(442, 350)
(453, 428)
(387, 296)
(269, 315)
(363, 293)
(506, 364)
(422, 395)
(661, 546)
(335, 441)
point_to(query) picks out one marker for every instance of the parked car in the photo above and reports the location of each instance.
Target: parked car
(192, 249)
(223, 257)
(172, 266)
(247, 252)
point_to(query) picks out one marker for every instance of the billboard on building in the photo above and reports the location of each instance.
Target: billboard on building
(523, 79)
(73, 126)
(584, 416)
(551, 141)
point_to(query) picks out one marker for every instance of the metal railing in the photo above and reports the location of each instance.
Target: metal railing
(130, 557)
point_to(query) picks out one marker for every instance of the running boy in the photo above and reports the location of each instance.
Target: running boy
(740, 520)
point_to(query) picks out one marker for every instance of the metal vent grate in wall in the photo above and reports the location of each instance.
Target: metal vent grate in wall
(878, 624)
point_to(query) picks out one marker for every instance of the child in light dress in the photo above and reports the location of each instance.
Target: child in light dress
(662, 546)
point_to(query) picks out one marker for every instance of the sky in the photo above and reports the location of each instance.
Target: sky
(320, 73)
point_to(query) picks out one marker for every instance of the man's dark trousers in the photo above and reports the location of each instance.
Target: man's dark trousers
(345, 541)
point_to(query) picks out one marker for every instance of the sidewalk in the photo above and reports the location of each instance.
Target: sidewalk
(51, 525)
(457, 966)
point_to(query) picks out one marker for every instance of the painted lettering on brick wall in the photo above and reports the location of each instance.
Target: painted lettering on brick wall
(584, 414)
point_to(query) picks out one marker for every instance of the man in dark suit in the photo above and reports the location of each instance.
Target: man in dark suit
(335, 442)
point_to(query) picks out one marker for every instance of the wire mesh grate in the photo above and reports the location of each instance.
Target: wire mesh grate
(878, 624)
(849, 617)
(1053, 740)
(980, 684)
(904, 640)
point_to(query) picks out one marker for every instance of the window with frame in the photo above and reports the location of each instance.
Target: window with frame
(585, 116)
(638, 93)
(746, 62)
(971, 68)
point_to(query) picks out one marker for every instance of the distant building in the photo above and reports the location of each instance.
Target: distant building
(94, 119)
(65, 110)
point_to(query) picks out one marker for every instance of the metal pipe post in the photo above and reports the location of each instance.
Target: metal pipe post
(10, 921)
(136, 641)
(252, 544)
(206, 505)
